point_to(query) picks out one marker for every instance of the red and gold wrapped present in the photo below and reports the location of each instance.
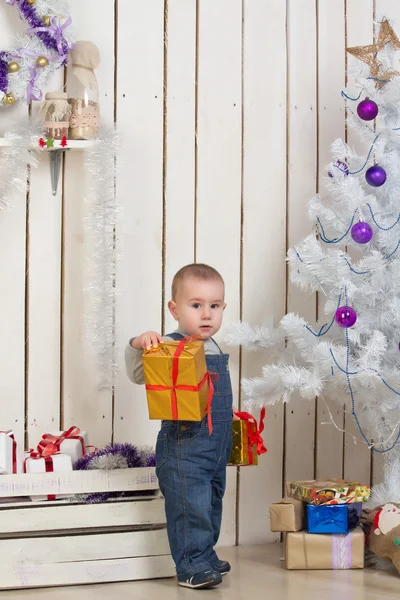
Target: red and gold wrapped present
(247, 443)
(333, 491)
(309, 551)
(178, 385)
(8, 453)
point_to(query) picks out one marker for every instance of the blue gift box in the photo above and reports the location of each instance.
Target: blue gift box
(336, 518)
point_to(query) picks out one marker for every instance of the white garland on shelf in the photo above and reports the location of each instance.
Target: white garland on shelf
(100, 226)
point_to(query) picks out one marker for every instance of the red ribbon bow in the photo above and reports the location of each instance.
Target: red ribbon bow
(50, 444)
(255, 438)
(185, 388)
(10, 434)
(46, 452)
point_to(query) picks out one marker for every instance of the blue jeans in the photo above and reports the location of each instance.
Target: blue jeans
(191, 468)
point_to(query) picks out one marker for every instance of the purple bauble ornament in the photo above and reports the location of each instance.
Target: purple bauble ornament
(375, 176)
(362, 232)
(345, 316)
(340, 166)
(367, 110)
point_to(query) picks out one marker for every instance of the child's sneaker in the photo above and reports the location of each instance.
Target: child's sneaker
(222, 567)
(204, 579)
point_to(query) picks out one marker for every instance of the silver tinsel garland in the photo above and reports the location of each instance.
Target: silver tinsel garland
(14, 159)
(100, 225)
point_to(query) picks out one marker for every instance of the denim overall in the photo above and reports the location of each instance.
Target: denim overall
(191, 468)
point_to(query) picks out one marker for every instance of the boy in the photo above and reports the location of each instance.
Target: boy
(191, 464)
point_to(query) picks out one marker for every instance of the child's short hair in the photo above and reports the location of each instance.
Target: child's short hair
(197, 271)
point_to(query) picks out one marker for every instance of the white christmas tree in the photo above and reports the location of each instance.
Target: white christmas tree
(353, 260)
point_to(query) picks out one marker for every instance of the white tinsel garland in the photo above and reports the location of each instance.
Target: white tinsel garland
(100, 226)
(14, 159)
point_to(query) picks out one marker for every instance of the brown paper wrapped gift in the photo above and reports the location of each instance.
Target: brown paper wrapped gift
(287, 515)
(178, 385)
(309, 551)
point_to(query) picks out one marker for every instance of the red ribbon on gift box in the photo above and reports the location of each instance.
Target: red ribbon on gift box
(53, 442)
(10, 434)
(48, 461)
(255, 438)
(185, 388)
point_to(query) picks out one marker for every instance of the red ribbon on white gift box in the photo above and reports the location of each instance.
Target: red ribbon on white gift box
(49, 444)
(10, 434)
(48, 462)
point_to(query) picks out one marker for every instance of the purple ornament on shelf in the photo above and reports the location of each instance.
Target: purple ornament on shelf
(345, 316)
(362, 232)
(367, 110)
(375, 176)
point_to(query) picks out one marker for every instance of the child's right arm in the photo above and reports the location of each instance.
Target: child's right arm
(134, 354)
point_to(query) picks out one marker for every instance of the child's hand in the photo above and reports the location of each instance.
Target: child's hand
(234, 417)
(147, 340)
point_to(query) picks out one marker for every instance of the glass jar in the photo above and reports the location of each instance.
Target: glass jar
(56, 110)
(83, 97)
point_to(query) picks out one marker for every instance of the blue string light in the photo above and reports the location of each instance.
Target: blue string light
(321, 331)
(351, 392)
(344, 95)
(380, 226)
(353, 270)
(368, 157)
(394, 251)
(379, 80)
(325, 239)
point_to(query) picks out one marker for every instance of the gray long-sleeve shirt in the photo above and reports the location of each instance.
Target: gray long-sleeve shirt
(134, 363)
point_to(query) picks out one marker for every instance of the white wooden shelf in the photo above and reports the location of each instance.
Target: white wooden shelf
(55, 154)
(71, 144)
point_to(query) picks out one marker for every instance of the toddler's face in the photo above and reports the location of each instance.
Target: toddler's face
(199, 306)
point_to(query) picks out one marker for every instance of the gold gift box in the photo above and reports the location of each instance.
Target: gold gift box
(310, 551)
(158, 363)
(242, 454)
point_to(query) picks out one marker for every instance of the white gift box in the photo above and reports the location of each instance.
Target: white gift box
(61, 463)
(73, 446)
(8, 453)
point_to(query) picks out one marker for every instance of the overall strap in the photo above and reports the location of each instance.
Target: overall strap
(212, 339)
(175, 336)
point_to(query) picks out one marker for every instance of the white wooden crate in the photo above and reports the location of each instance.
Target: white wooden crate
(70, 543)
(78, 482)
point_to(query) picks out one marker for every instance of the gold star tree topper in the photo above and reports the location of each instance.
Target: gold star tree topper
(369, 54)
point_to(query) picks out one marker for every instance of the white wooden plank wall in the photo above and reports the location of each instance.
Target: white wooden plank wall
(226, 110)
(331, 125)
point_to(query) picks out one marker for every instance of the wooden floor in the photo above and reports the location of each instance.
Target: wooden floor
(257, 572)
